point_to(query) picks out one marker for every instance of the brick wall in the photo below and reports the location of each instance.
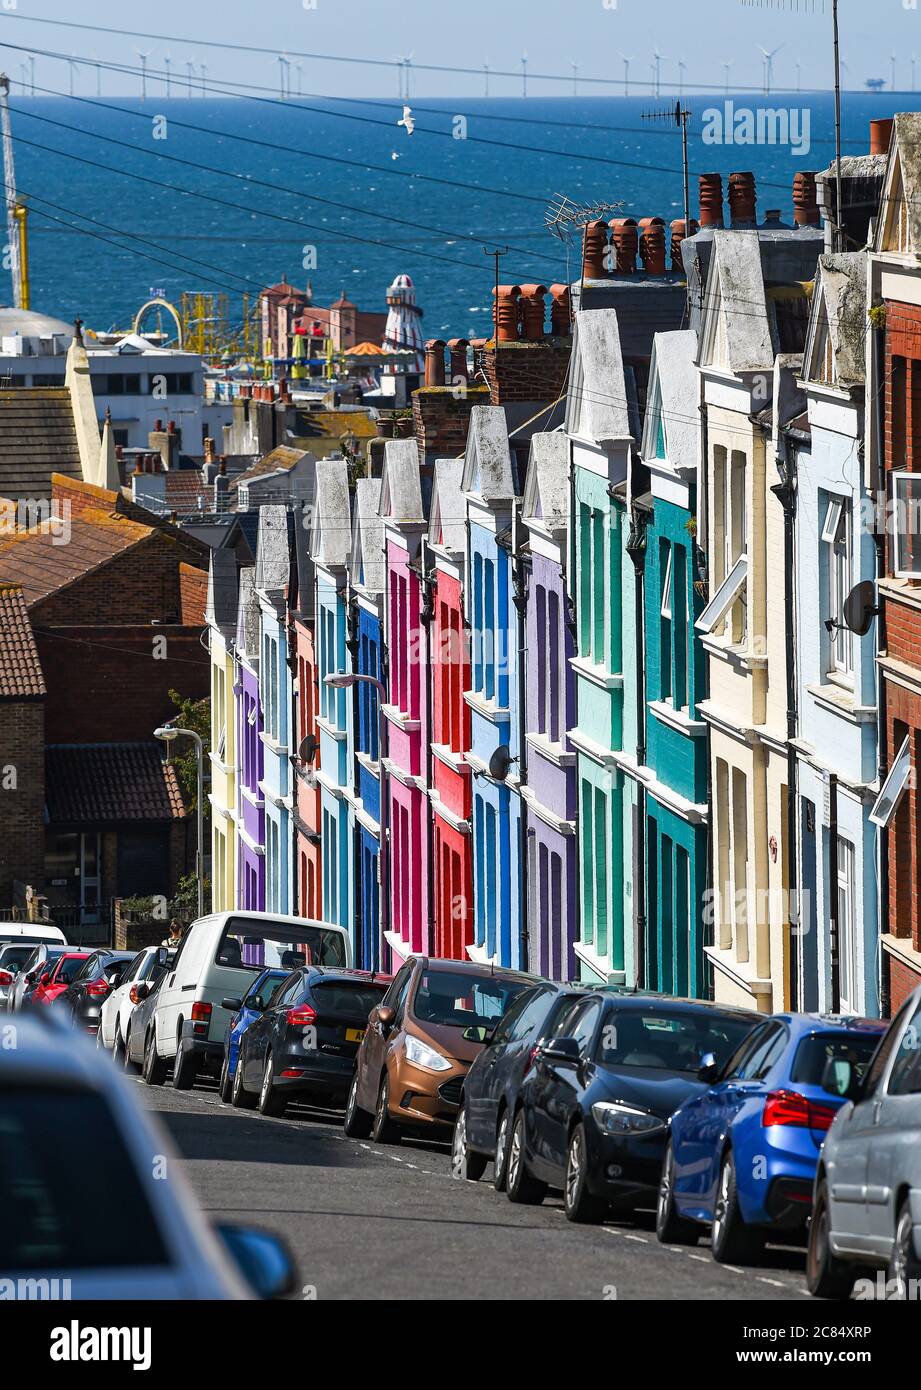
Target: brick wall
(441, 419)
(22, 759)
(140, 585)
(902, 980)
(903, 716)
(526, 371)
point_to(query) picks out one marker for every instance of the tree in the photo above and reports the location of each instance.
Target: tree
(194, 715)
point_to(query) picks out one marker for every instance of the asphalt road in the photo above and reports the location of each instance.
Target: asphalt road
(370, 1221)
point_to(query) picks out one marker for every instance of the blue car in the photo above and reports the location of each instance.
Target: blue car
(742, 1155)
(243, 1011)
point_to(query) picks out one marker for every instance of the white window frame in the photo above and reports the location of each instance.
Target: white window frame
(725, 596)
(665, 608)
(836, 535)
(897, 534)
(846, 887)
(890, 793)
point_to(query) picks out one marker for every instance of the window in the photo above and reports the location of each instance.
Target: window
(886, 804)
(837, 573)
(905, 1077)
(724, 598)
(665, 607)
(729, 543)
(884, 1052)
(906, 524)
(847, 929)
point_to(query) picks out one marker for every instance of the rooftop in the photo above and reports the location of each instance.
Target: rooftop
(89, 784)
(20, 669)
(37, 438)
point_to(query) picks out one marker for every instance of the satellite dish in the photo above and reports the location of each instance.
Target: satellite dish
(500, 762)
(860, 607)
(308, 748)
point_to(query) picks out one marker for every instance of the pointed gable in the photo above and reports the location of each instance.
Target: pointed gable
(546, 489)
(736, 329)
(597, 401)
(401, 487)
(331, 538)
(447, 527)
(248, 617)
(488, 472)
(223, 593)
(835, 345)
(273, 550)
(671, 429)
(899, 226)
(368, 567)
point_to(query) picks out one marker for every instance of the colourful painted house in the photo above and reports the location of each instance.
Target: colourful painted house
(221, 617)
(250, 804)
(272, 580)
(306, 815)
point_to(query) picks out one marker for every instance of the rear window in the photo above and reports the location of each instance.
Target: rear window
(347, 1001)
(71, 1196)
(67, 971)
(13, 958)
(247, 943)
(816, 1051)
(456, 1000)
(668, 1041)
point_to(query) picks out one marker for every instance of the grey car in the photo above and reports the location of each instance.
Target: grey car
(13, 956)
(867, 1200)
(38, 960)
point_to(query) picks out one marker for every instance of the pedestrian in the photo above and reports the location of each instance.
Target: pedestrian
(175, 934)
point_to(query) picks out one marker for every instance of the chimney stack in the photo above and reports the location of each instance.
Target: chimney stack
(596, 244)
(805, 202)
(880, 135)
(435, 362)
(742, 199)
(711, 200)
(625, 236)
(533, 312)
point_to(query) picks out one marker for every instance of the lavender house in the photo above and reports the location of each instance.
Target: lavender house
(250, 803)
(549, 794)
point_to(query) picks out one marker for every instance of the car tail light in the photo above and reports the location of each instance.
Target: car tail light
(201, 1013)
(98, 989)
(532, 1058)
(790, 1108)
(301, 1017)
(5, 978)
(133, 995)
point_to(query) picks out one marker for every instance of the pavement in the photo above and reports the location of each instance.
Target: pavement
(378, 1221)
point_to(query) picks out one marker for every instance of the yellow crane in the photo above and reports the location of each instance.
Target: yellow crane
(16, 212)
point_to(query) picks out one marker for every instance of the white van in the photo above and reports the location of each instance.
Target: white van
(217, 959)
(35, 932)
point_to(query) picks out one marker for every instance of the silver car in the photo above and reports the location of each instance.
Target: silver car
(42, 957)
(867, 1201)
(13, 956)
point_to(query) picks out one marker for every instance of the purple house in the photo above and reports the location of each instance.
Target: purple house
(250, 804)
(549, 792)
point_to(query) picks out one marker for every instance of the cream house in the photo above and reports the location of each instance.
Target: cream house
(221, 616)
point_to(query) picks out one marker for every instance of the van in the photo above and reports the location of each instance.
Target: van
(218, 958)
(33, 932)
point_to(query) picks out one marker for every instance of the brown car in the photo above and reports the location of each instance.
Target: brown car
(420, 1042)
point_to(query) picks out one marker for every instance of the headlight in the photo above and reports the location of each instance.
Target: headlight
(421, 1055)
(612, 1118)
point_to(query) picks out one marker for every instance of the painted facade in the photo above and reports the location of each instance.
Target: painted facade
(308, 865)
(273, 576)
(250, 804)
(221, 616)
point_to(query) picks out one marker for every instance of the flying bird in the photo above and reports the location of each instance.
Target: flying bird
(409, 120)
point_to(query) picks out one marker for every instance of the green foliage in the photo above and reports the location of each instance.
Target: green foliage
(194, 715)
(185, 904)
(877, 316)
(140, 909)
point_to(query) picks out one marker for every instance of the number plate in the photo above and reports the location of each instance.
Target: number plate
(354, 1034)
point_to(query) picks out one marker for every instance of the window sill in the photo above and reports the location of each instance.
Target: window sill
(457, 762)
(597, 673)
(399, 719)
(487, 709)
(840, 699)
(331, 731)
(678, 719)
(737, 654)
(370, 765)
(553, 751)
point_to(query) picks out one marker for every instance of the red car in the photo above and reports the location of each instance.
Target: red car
(54, 982)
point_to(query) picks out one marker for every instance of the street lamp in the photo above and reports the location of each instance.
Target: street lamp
(345, 680)
(168, 734)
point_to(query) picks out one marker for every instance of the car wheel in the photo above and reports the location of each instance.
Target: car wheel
(826, 1275)
(904, 1265)
(271, 1101)
(732, 1242)
(184, 1069)
(358, 1122)
(118, 1046)
(579, 1204)
(131, 1067)
(384, 1130)
(240, 1098)
(671, 1229)
(500, 1162)
(225, 1085)
(154, 1065)
(521, 1187)
(466, 1164)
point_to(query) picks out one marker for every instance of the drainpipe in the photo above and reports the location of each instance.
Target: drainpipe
(636, 549)
(572, 629)
(700, 561)
(785, 492)
(520, 600)
(882, 751)
(833, 923)
(352, 644)
(426, 614)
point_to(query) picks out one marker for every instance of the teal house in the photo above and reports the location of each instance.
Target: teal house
(672, 755)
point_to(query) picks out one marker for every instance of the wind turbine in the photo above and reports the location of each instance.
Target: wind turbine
(143, 57)
(25, 77)
(407, 64)
(190, 69)
(892, 83)
(282, 66)
(72, 64)
(32, 72)
(769, 57)
(682, 69)
(657, 66)
(798, 65)
(299, 69)
(486, 77)
(727, 64)
(627, 62)
(575, 78)
(524, 74)
(913, 62)
(166, 62)
(204, 79)
(398, 62)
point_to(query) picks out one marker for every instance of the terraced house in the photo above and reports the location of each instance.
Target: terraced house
(272, 580)
(221, 617)
(250, 821)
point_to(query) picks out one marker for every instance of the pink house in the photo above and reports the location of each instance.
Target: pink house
(403, 508)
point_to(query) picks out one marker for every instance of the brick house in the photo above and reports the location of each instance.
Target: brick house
(23, 694)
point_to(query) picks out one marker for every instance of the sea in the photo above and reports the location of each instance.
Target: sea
(134, 199)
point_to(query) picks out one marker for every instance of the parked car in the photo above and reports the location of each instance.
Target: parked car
(28, 977)
(83, 999)
(117, 1007)
(742, 1155)
(251, 1006)
(304, 1043)
(867, 1201)
(218, 958)
(491, 1087)
(140, 1025)
(94, 1192)
(57, 976)
(594, 1109)
(31, 931)
(420, 1042)
(13, 956)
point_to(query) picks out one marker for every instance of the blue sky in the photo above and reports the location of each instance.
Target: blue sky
(554, 33)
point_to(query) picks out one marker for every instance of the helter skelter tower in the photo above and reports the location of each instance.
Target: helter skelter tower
(404, 323)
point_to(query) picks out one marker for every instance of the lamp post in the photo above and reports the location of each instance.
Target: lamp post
(344, 680)
(167, 734)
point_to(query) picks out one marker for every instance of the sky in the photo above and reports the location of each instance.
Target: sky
(554, 34)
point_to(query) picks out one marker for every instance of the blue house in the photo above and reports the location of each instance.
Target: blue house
(274, 559)
(367, 579)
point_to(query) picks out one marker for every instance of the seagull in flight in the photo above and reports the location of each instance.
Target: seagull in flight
(409, 120)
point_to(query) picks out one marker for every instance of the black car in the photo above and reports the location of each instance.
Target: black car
(491, 1086)
(84, 997)
(306, 1040)
(595, 1107)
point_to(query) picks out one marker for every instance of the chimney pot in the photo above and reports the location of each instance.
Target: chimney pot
(596, 244)
(880, 135)
(457, 347)
(805, 203)
(435, 362)
(533, 312)
(560, 311)
(679, 231)
(652, 245)
(625, 236)
(742, 199)
(506, 313)
(158, 426)
(711, 200)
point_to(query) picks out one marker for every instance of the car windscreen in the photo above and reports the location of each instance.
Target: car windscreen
(668, 1041)
(818, 1049)
(72, 1198)
(248, 942)
(457, 1000)
(337, 999)
(13, 958)
(68, 970)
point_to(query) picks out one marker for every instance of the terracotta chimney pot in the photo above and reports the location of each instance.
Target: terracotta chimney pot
(880, 135)
(435, 362)
(457, 347)
(805, 204)
(506, 313)
(652, 245)
(679, 231)
(742, 199)
(711, 200)
(560, 311)
(533, 312)
(596, 244)
(626, 242)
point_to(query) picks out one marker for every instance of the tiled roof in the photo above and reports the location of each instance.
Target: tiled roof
(42, 562)
(37, 438)
(183, 488)
(281, 457)
(20, 669)
(92, 783)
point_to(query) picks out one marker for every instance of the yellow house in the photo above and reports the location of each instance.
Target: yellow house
(747, 341)
(221, 615)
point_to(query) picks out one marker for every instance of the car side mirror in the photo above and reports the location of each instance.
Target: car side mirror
(139, 992)
(840, 1078)
(235, 1005)
(386, 1017)
(708, 1070)
(563, 1050)
(262, 1258)
(43, 979)
(479, 1033)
